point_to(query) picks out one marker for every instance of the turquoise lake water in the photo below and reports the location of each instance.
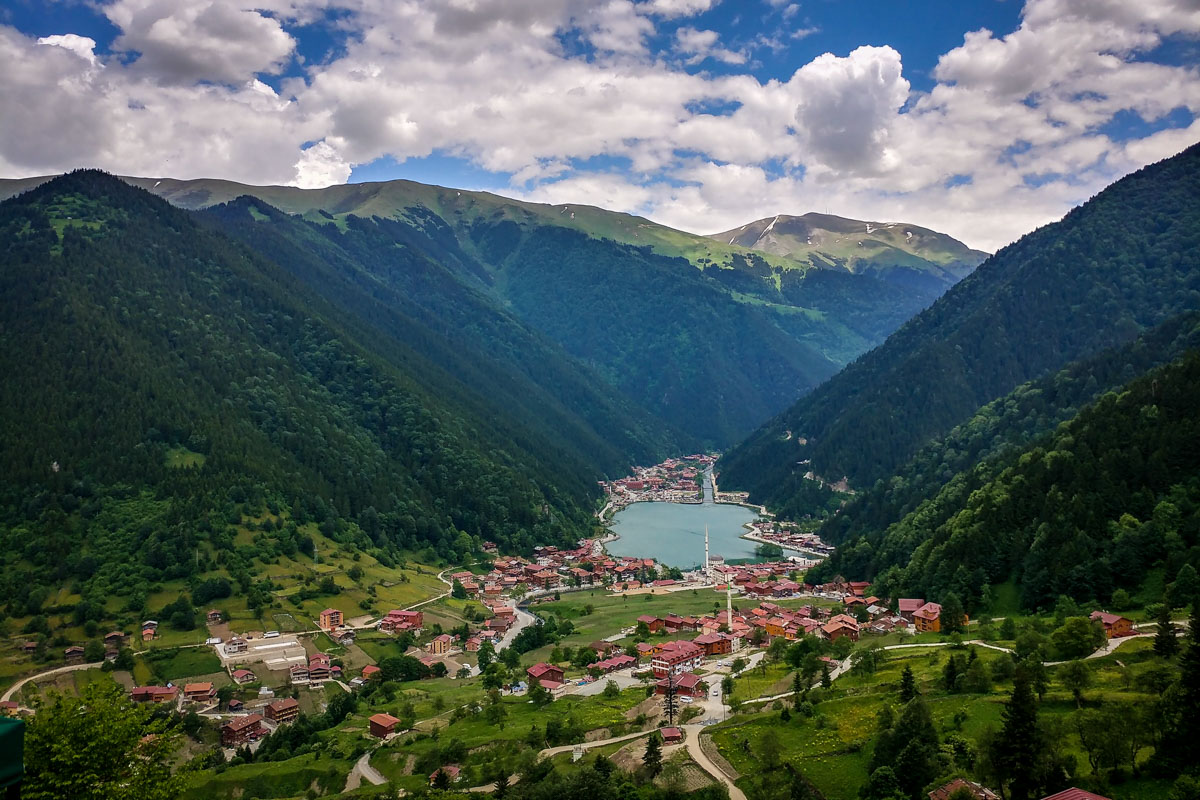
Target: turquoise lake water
(673, 533)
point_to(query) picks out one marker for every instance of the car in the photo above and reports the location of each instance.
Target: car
(213, 640)
(716, 692)
(685, 699)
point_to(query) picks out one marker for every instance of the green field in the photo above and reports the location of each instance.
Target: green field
(173, 665)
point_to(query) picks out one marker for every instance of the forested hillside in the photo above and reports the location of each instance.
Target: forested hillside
(162, 381)
(1082, 511)
(1124, 262)
(711, 336)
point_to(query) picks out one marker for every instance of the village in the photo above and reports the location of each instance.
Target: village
(566, 625)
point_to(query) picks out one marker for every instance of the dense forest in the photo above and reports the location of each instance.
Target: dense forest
(1082, 511)
(162, 380)
(711, 337)
(1118, 265)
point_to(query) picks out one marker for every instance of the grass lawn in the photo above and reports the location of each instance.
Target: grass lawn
(291, 778)
(175, 664)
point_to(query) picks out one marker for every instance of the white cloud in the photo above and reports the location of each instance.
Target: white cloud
(535, 88)
(82, 46)
(676, 8)
(200, 40)
(699, 45)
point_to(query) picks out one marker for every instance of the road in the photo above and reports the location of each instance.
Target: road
(16, 687)
(363, 771)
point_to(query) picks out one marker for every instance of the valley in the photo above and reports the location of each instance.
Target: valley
(337, 506)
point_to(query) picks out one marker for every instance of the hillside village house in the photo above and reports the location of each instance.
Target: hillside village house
(283, 710)
(928, 618)
(688, 684)
(199, 692)
(243, 676)
(298, 673)
(236, 645)
(154, 694)
(74, 653)
(1114, 624)
(330, 619)
(383, 725)
(240, 730)
(318, 667)
(907, 606)
(545, 675)
(977, 791)
(398, 620)
(440, 645)
(451, 771)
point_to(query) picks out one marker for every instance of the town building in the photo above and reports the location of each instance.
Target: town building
(330, 618)
(286, 709)
(676, 658)
(688, 684)
(928, 618)
(240, 730)
(440, 645)
(548, 676)
(907, 606)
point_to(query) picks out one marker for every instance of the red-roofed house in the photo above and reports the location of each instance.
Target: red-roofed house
(199, 692)
(451, 771)
(240, 730)
(676, 658)
(928, 618)
(154, 694)
(283, 710)
(243, 676)
(370, 671)
(383, 725)
(688, 683)
(908, 606)
(979, 792)
(653, 623)
(714, 644)
(440, 645)
(671, 735)
(1075, 794)
(541, 673)
(1114, 624)
(330, 618)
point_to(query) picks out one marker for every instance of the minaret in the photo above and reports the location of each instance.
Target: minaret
(707, 572)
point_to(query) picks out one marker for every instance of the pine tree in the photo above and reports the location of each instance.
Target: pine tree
(1019, 744)
(953, 615)
(653, 756)
(908, 685)
(1166, 644)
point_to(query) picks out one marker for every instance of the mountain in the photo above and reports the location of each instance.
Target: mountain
(1082, 511)
(1125, 261)
(164, 381)
(885, 533)
(712, 337)
(894, 251)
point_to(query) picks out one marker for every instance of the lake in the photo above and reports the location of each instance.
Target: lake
(673, 533)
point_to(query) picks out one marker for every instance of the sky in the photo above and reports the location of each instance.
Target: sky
(981, 118)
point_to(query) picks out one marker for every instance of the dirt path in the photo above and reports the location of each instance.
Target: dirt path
(16, 687)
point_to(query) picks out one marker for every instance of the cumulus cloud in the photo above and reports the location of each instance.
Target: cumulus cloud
(1015, 129)
(677, 8)
(847, 108)
(82, 46)
(698, 45)
(203, 40)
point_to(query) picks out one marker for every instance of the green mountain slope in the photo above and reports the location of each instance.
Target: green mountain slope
(713, 337)
(895, 251)
(138, 342)
(1084, 510)
(1123, 262)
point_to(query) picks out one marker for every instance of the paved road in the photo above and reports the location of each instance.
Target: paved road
(16, 687)
(698, 755)
(363, 771)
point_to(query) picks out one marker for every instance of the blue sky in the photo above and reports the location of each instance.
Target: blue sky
(982, 119)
